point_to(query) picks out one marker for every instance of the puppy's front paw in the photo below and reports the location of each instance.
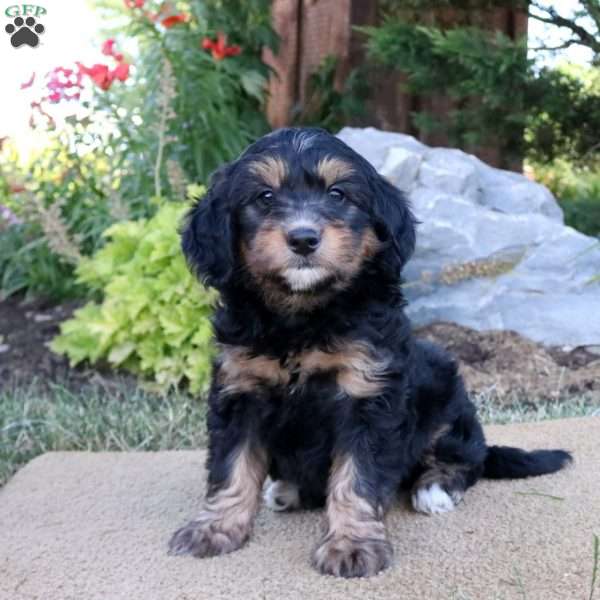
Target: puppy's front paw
(346, 557)
(206, 537)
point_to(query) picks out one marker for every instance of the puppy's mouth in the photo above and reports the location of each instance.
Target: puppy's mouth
(307, 279)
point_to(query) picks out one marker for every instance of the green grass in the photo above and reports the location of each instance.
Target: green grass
(493, 409)
(35, 420)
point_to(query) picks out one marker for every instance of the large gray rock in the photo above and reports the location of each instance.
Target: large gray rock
(492, 248)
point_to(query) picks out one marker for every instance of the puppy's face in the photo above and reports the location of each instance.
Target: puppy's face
(298, 217)
(303, 235)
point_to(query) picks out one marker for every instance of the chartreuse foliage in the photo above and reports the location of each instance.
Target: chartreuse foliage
(153, 317)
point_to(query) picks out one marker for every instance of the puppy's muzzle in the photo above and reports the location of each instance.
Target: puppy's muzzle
(303, 240)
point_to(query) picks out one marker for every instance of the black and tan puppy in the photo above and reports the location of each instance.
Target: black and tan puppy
(319, 383)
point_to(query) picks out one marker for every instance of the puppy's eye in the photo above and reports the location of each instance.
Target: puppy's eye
(336, 193)
(265, 198)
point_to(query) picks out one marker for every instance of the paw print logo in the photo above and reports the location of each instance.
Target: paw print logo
(24, 31)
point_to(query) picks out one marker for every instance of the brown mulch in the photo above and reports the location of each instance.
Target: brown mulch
(496, 361)
(506, 363)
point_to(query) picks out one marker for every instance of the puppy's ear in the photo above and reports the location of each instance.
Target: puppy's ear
(394, 223)
(206, 234)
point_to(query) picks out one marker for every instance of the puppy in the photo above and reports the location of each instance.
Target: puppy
(319, 383)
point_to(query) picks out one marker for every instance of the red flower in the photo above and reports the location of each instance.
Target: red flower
(122, 71)
(108, 48)
(100, 75)
(55, 97)
(134, 3)
(219, 48)
(168, 22)
(29, 82)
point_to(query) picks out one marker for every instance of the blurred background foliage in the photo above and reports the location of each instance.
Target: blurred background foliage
(183, 110)
(504, 89)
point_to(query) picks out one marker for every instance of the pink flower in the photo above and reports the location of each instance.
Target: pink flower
(29, 82)
(108, 47)
(59, 80)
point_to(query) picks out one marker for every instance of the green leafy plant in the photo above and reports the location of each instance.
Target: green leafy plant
(60, 202)
(153, 316)
(577, 190)
(328, 104)
(196, 92)
(28, 265)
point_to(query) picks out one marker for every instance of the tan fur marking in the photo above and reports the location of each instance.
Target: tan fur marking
(338, 249)
(337, 245)
(348, 514)
(360, 373)
(239, 371)
(355, 543)
(429, 456)
(447, 475)
(235, 504)
(268, 252)
(332, 170)
(271, 169)
(225, 521)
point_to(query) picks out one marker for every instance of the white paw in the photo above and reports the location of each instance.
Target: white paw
(432, 500)
(282, 495)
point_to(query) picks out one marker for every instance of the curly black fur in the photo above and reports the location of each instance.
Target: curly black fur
(314, 372)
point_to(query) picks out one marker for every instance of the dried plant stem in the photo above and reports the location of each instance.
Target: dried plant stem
(159, 155)
(56, 231)
(166, 96)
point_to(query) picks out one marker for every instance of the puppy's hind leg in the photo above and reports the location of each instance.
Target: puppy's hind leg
(452, 464)
(281, 495)
(434, 493)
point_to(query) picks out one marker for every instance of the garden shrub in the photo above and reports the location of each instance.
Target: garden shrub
(28, 265)
(196, 92)
(60, 203)
(152, 317)
(499, 93)
(577, 190)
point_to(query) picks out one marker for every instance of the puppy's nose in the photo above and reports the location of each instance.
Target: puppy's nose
(303, 240)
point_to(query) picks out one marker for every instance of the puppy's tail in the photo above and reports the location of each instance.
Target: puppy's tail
(504, 462)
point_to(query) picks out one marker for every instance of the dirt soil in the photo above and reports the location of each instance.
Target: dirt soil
(510, 365)
(25, 330)
(499, 361)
